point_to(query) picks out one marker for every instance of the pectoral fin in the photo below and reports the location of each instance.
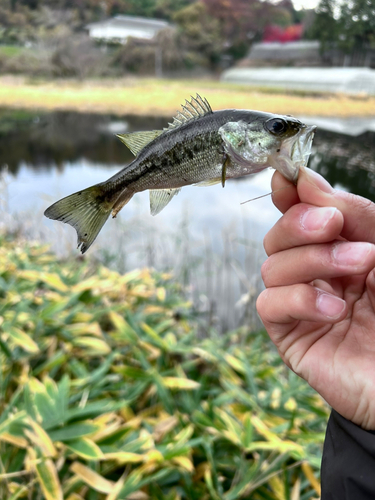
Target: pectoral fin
(224, 169)
(159, 198)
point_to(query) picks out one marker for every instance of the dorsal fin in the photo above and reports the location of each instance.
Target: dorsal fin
(136, 141)
(197, 107)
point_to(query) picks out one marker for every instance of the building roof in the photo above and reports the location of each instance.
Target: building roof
(124, 26)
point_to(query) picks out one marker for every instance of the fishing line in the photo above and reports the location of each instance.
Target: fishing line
(268, 194)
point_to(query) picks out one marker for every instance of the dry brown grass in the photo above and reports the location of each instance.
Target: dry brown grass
(163, 97)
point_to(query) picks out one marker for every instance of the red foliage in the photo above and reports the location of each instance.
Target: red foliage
(273, 33)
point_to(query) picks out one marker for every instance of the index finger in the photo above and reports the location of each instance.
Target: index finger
(284, 192)
(358, 212)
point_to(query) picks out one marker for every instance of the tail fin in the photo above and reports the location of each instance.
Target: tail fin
(85, 210)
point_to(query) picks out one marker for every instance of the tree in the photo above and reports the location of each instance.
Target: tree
(325, 26)
(357, 24)
(199, 35)
(347, 25)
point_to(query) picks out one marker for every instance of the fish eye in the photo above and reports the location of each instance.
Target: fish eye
(277, 126)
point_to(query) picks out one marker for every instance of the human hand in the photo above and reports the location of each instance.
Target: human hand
(319, 302)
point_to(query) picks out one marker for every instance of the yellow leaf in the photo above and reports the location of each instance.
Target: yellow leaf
(295, 493)
(51, 279)
(184, 462)
(85, 329)
(155, 352)
(310, 476)
(202, 353)
(93, 345)
(275, 398)
(54, 281)
(121, 324)
(41, 439)
(117, 488)
(48, 479)
(23, 340)
(85, 285)
(277, 487)
(235, 363)
(74, 496)
(291, 404)
(82, 317)
(161, 294)
(151, 309)
(184, 435)
(93, 479)
(19, 441)
(137, 495)
(153, 456)
(263, 430)
(124, 457)
(154, 335)
(163, 427)
(180, 383)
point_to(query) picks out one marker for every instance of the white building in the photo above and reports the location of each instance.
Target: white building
(345, 80)
(119, 28)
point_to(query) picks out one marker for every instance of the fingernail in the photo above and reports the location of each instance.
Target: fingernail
(319, 181)
(351, 254)
(315, 219)
(330, 306)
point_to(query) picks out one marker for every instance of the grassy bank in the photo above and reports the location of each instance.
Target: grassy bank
(107, 393)
(163, 97)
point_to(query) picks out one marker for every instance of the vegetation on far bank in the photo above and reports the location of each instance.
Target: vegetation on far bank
(152, 97)
(108, 393)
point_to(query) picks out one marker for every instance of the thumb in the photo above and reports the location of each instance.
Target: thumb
(358, 212)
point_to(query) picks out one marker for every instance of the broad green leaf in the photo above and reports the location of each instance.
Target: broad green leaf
(85, 448)
(73, 431)
(17, 417)
(48, 479)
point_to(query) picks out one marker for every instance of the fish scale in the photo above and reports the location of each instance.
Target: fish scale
(200, 146)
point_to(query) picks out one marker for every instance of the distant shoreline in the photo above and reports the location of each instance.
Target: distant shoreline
(151, 97)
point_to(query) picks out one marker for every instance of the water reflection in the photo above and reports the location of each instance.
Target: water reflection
(347, 162)
(210, 241)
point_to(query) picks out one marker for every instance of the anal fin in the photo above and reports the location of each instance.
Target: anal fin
(159, 198)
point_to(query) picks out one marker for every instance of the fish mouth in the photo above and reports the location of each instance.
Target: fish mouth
(294, 153)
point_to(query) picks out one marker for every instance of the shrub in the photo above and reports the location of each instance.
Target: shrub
(107, 393)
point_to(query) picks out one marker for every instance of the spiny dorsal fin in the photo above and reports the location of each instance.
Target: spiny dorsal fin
(197, 107)
(136, 141)
(159, 198)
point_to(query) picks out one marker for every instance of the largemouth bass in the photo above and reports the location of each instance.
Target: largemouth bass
(200, 146)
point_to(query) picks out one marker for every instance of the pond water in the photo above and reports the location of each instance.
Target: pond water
(208, 239)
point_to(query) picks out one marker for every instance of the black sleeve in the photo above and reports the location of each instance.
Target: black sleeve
(348, 464)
